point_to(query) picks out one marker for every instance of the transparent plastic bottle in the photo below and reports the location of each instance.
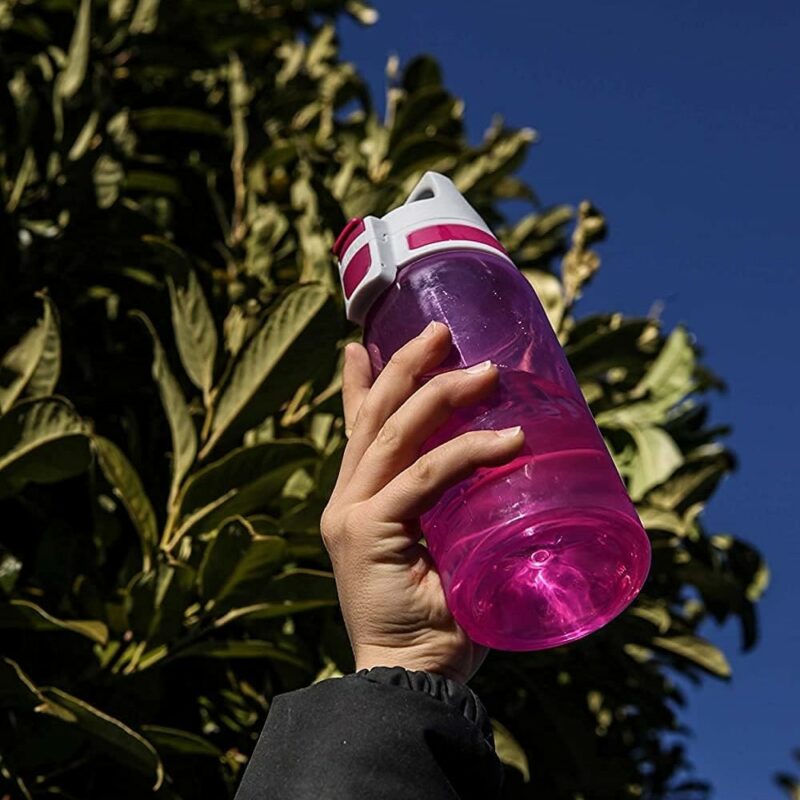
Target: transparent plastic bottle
(548, 547)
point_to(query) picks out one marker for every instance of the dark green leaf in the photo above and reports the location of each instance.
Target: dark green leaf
(184, 436)
(173, 740)
(41, 441)
(237, 563)
(110, 735)
(127, 486)
(243, 481)
(26, 615)
(281, 353)
(195, 332)
(242, 648)
(185, 120)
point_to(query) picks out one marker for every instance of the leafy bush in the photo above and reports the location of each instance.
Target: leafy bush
(172, 177)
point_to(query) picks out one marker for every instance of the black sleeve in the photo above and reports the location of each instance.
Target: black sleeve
(380, 734)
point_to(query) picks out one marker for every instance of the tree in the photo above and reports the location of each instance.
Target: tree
(790, 783)
(172, 179)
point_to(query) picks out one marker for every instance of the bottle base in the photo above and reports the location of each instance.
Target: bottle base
(551, 580)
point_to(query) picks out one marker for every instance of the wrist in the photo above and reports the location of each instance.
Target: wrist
(368, 658)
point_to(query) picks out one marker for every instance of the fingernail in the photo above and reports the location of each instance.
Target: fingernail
(482, 367)
(430, 328)
(509, 432)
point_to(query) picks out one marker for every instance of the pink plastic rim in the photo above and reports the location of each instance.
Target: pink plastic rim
(451, 232)
(356, 270)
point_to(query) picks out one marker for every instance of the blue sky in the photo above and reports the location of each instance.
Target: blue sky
(681, 121)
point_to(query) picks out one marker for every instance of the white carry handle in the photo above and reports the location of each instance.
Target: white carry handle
(434, 217)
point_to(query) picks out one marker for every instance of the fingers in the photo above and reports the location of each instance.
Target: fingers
(356, 382)
(398, 442)
(397, 381)
(415, 490)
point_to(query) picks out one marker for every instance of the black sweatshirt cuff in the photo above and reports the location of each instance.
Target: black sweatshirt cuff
(457, 695)
(384, 734)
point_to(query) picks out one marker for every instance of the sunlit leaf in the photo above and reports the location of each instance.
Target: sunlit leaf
(657, 457)
(696, 650)
(34, 364)
(509, 750)
(70, 80)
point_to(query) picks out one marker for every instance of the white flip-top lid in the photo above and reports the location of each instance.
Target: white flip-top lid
(434, 217)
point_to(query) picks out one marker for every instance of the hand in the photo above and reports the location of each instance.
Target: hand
(390, 593)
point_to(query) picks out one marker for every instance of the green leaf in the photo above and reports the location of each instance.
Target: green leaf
(10, 567)
(128, 487)
(34, 363)
(362, 11)
(237, 563)
(195, 332)
(243, 481)
(292, 592)
(48, 367)
(184, 436)
(145, 18)
(693, 482)
(27, 615)
(669, 378)
(242, 648)
(41, 441)
(107, 175)
(185, 120)
(657, 457)
(286, 349)
(17, 690)
(509, 750)
(111, 736)
(157, 601)
(71, 78)
(173, 740)
(501, 158)
(698, 651)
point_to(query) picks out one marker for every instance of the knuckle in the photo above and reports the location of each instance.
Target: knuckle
(400, 360)
(423, 470)
(338, 527)
(389, 434)
(366, 413)
(441, 387)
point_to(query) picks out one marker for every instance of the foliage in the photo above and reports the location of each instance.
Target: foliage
(790, 783)
(172, 178)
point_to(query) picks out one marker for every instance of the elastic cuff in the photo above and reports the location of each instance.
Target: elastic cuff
(455, 694)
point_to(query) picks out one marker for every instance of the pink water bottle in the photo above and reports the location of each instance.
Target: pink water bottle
(546, 548)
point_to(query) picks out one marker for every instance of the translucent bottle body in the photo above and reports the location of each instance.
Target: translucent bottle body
(548, 547)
